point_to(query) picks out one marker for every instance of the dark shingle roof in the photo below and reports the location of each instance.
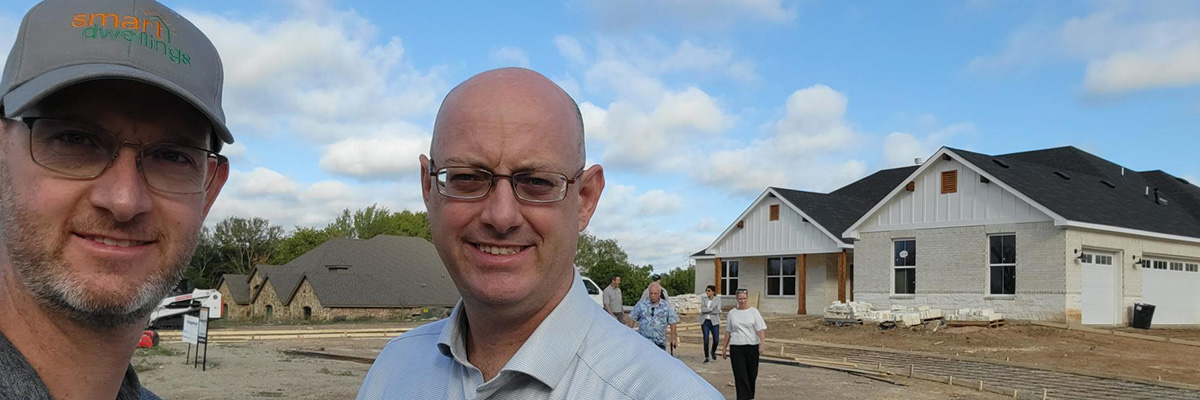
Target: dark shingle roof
(1085, 198)
(838, 210)
(403, 271)
(336, 289)
(239, 287)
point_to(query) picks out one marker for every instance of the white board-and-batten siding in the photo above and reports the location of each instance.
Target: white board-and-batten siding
(787, 235)
(975, 203)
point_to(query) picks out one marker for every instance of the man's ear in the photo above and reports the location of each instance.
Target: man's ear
(590, 186)
(214, 189)
(426, 185)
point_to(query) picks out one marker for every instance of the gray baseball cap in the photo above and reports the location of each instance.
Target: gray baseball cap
(66, 42)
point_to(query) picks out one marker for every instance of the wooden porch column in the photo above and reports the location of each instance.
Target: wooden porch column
(802, 282)
(717, 274)
(841, 273)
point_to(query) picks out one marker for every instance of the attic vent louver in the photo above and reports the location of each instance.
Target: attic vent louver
(1062, 175)
(1109, 184)
(1002, 164)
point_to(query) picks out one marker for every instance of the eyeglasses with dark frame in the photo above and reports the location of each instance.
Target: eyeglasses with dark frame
(469, 183)
(82, 151)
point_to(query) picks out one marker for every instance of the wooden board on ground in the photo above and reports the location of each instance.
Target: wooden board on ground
(990, 324)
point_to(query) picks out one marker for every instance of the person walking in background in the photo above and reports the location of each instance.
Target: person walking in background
(612, 299)
(653, 280)
(710, 320)
(744, 337)
(654, 316)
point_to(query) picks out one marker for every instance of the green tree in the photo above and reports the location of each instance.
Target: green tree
(299, 242)
(601, 259)
(680, 280)
(205, 266)
(245, 243)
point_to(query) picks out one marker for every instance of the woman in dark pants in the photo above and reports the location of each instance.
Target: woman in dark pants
(710, 321)
(744, 337)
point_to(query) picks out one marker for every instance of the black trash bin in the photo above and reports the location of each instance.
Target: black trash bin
(1142, 314)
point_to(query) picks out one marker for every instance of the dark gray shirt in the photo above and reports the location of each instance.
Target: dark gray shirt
(20, 381)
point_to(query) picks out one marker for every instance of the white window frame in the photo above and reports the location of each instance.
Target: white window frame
(1191, 267)
(782, 277)
(1013, 264)
(896, 268)
(726, 279)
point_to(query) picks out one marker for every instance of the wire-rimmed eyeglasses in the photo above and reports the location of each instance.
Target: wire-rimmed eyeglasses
(469, 183)
(82, 151)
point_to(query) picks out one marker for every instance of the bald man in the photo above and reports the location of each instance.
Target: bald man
(508, 193)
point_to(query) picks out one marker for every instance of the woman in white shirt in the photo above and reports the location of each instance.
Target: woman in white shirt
(710, 320)
(744, 337)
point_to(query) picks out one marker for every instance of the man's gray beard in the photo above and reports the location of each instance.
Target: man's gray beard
(41, 268)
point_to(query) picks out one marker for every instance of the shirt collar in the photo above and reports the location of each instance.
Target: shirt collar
(548, 352)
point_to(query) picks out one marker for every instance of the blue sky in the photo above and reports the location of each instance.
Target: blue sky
(693, 106)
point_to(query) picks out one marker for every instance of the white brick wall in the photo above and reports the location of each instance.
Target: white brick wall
(952, 268)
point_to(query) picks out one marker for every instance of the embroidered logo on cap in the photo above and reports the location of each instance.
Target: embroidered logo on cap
(151, 32)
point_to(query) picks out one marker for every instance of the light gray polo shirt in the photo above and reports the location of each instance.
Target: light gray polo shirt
(578, 352)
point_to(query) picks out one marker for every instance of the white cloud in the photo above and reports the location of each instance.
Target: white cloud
(510, 56)
(901, 149)
(815, 122)
(634, 137)
(658, 203)
(321, 73)
(690, 56)
(384, 157)
(686, 14)
(706, 224)
(1127, 47)
(644, 239)
(1133, 71)
(263, 182)
(293, 203)
(570, 49)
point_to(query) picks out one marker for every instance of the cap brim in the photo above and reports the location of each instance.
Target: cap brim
(21, 98)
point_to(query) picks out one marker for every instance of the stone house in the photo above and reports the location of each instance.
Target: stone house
(385, 276)
(1056, 234)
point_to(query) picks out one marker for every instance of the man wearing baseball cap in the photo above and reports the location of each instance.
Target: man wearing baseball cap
(109, 135)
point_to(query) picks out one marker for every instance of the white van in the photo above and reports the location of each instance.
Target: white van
(593, 291)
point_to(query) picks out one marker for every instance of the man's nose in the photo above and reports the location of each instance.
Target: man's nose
(501, 208)
(120, 189)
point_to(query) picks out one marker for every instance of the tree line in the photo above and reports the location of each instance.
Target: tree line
(235, 245)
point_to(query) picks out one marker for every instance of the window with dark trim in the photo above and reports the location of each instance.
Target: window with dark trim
(904, 266)
(774, 212)
(1002, 264)
(781, 276)
(729, 277)
(949, 182)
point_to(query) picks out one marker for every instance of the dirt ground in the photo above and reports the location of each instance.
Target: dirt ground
(259, 369)
(1027, 344)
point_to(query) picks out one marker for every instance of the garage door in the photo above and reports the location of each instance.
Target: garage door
(1099, 295)
(1173, 287)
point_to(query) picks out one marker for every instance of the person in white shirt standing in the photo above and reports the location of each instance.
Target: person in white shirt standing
(710, 320)
(745, 334)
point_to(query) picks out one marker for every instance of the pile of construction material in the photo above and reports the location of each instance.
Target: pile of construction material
(864, 312)
(854, 310)
(685, 303)
(912, 316)
(974, 314)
